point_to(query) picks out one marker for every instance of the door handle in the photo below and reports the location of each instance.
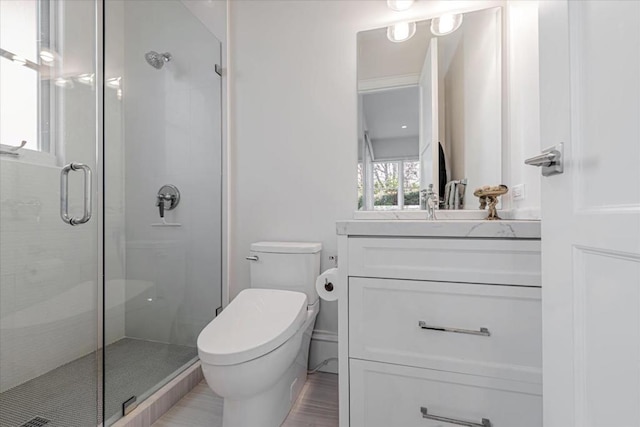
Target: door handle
(64, 193)
(551, 160)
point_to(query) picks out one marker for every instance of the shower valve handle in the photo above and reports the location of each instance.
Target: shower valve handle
(167, 193)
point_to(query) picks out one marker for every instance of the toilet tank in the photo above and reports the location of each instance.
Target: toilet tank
(292, 266)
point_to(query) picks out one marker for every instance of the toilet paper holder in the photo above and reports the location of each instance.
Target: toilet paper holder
(328, 286)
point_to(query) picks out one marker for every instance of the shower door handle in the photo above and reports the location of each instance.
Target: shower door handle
(64, 193)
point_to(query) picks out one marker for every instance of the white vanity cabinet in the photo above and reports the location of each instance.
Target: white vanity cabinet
(440, 324)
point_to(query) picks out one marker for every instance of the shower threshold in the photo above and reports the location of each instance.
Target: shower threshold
(67, 396)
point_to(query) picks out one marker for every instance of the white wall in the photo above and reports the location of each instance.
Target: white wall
(471, 85)
(523, 105)
(482, 104)
(293, 109)
(452, 122)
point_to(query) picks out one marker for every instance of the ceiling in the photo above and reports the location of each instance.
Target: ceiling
(385, 112)
(379, 58)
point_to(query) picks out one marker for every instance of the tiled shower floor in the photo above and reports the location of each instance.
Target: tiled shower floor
(66, 396)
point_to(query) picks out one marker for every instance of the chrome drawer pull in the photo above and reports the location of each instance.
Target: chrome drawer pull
(483, 331)
(425, 414)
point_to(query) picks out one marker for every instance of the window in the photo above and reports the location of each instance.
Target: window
(396, 185)
(24, 44)
(360, 186)
(385, 184)
(411, 184)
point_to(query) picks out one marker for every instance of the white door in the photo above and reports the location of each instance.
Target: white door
(590, 100)
(429, 132)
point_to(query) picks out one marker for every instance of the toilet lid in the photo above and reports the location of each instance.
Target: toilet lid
(256, 322)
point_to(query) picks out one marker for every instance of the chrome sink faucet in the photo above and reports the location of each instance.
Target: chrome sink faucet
(431, 202)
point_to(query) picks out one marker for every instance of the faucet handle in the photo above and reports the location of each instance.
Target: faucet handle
(167, 193)
(432, 195)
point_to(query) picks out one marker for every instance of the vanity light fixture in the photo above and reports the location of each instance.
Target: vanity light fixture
(404, 126)
(401, 31)
(399, 5)
(86, 79)
(63, 83)
(446, 24)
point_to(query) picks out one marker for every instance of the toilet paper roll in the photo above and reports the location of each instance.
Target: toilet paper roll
(327, 284)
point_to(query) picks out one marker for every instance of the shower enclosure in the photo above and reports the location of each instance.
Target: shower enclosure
(110, 213)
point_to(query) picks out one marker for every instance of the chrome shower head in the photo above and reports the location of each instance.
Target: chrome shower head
(157, 60)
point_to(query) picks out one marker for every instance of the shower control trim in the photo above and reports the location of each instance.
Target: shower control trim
(167, 199)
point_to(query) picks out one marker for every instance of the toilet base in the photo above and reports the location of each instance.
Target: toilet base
(268, 409)
(271, 407)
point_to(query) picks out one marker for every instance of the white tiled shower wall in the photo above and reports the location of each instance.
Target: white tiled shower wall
(172, 131)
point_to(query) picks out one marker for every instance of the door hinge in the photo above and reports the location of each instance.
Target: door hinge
(218, 311)
(129, 405)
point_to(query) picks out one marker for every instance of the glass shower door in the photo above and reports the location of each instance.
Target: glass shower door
(50, 286)
(163, 200)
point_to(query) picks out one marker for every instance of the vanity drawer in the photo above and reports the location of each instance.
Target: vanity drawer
(460, 327)
(384, 395)
(492, 261)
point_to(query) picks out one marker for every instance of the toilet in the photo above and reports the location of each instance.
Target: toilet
(255, 353)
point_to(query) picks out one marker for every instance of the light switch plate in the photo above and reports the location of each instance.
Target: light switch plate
(333, 259)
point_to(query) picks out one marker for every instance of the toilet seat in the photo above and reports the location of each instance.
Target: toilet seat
(256, 322)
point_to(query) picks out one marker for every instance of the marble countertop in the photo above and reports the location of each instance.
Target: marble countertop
(503, 229)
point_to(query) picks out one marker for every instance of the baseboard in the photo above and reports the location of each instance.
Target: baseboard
(162, 400)
(324, 345)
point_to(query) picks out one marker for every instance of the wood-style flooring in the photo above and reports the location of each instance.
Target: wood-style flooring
(317, 406)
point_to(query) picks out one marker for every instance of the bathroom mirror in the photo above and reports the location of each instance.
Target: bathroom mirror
(430, 111)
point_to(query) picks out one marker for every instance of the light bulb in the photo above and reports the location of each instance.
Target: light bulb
(401, 31)
(399, 5)
(446, 24)
(113, 83)
(63, 83)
